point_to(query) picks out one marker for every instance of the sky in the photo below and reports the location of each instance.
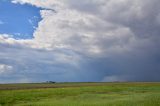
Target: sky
(79, 41)
(26, 16)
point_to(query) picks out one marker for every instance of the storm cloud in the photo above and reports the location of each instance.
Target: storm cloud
(90, 40)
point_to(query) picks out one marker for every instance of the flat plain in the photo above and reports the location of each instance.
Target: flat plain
(81, 94)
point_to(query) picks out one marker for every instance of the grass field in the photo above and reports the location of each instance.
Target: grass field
(80, 94)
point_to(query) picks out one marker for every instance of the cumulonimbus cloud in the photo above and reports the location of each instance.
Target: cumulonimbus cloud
(105, 39)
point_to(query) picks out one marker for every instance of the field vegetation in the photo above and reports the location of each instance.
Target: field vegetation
(80, 94)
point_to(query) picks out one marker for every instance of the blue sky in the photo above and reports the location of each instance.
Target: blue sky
(18, 20)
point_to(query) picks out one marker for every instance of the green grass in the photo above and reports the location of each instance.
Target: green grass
(81, 94)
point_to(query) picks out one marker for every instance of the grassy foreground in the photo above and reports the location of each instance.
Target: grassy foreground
(80, 94)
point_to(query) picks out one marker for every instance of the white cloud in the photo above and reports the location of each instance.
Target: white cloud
(99, 26)
(48, 4)
(5, 68)
(70, 23)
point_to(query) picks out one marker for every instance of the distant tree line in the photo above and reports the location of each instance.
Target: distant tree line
(50, 82)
